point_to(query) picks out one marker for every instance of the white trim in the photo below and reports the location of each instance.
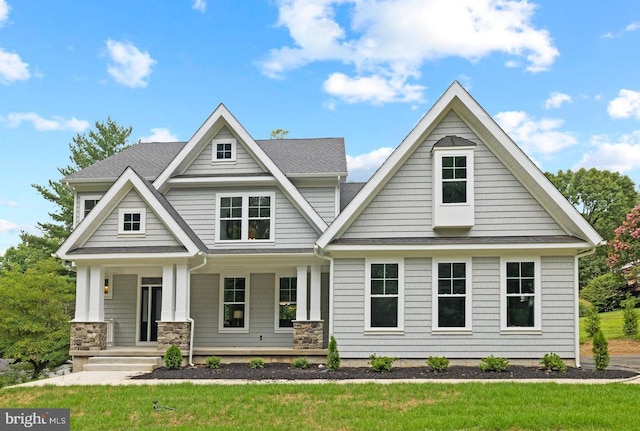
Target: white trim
(214, 181)
(143, 221)
(247, 289)
(367, 297)
(468, 303)
(245, 217)
(448, 215)
(214, 150)
(276, 321)
(537, 295)
(82, 198)
(453, 247)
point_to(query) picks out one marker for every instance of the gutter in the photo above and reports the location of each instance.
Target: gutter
(189, 318)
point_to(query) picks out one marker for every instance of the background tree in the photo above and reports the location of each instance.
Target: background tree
(603, 198)
(31, 250)
(624, 249)
(35, 308)
(279, 134)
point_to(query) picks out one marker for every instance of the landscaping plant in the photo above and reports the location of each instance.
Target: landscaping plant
(553, 362)
(492, 363)
(600, 351)
(300, 363)
(438, 363)
(256, 364)
(173, 357)
(213, 362)
(592, 321)
(630, 327)
(381, 364)
(333, 357)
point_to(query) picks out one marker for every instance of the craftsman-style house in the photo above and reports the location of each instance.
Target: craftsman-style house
(458, 246)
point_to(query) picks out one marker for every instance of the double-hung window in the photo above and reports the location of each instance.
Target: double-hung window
(384, 298)
(234, 304)
(223, 150)
(132, 221)
(521, 294)
(286, 302)
(454, 179)
(452, 295)
(245, 217)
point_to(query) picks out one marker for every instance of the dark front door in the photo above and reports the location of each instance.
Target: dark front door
(150, 308)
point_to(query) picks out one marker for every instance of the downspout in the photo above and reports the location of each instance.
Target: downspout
(576, 325)
(316, 251)
(189, 318)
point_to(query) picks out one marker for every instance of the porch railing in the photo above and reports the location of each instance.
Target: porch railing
(110, 325)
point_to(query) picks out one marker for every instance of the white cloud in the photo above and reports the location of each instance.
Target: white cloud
(633, 26)
(390, 40)
(12, 68)
(375, 89)
(160, 134)
(361, 167)
(41, 124)
(130, 66)
(8, 227)
(621, 154)
(4, 12)
(626, 105)
(4, 203)
(535, 136)
(200, 5)
(556, 99)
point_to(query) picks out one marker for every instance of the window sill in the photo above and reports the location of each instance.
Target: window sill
(131, 235)
(388, 331)
(244, 241)
(223, 162)
(451, 331)
(233, 331)
(520, 331)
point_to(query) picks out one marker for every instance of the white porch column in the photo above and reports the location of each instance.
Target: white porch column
(82, 294)
(301, 294)
(182, 293)
(96, 294)
(168, 293)
(314, 312)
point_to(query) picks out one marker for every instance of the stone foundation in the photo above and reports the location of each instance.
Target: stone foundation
(88, 335)
(174, 333)
(307, 334)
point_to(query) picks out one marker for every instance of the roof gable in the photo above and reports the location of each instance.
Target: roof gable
(484, 127)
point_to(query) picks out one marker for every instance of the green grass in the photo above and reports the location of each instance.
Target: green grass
(470, 406)
(611, 325)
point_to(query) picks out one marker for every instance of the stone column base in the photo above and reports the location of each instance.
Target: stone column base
(308, 334)
(88, 336)
(174, 333)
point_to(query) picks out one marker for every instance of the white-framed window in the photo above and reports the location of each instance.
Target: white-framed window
(453, 187)
(245, 217)
(286, 302)
(384, 295)
(234, 304)
(132, 221)
(520, 294)
(451, 295)
(87, 203)
(223, 150)
(454, 179)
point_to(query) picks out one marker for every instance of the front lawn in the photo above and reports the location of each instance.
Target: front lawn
(611, 325)
(477, 406)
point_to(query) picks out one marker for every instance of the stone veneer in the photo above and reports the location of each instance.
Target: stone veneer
(174, 333)
(307, 334)
(88, 335)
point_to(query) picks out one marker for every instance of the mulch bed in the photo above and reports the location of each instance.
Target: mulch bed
(277, 371)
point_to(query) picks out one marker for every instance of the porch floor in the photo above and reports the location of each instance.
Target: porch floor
(204, 351)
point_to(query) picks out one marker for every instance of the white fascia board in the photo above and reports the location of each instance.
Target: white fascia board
(181, 182)
(128, 257)
(459, 247)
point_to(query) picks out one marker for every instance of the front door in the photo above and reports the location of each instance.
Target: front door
(150, 308)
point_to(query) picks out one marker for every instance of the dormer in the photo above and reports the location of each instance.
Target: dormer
(453, 183)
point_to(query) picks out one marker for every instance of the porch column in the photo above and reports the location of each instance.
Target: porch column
(168, 293)
(96, 294)
(82, 294)
(314, 312)
(182, 293)
(301, 294)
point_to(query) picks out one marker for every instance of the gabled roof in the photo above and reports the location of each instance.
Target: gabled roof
(456, 98)
(72, 249)
(307, 157)
(220, 118)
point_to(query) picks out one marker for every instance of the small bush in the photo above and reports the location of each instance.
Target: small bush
(300, 363)
(333, 357)
(438, 363)
(605, 291)
(630, 317)
(256, 364)
(381, 364)
(213, 362)
(584, 307)
(592, 322)
(173, 357)
(491, 363)
(553, 362)
(600, 351)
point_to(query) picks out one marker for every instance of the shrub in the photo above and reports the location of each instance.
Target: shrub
(630, 317)
(173, 357)
(213, 362)
(438, 363)
(605, 291)
(381, 364)
(584, 307)
(300, 363)
(553, 362)
(333, 357)
(256, 364)
(592, 322)
(600, 351)
(491, 363)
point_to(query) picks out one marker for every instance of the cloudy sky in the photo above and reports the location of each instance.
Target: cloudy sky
(562, 80)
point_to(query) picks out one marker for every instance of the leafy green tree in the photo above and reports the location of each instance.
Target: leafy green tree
(279, 134)
(625, 247)
(35, 308)
(630, 317)
(605, 292)
(31, 250)
(107, 139)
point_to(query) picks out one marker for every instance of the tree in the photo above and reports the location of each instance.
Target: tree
(35, 308)
(279, 134)
(605, 292)
(86, 149)
(624, 250)
(31, 250)
(603, 198)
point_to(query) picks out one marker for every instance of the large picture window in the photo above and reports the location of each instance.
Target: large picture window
(234, 303)
(521, 294)
(245, 217)
(452, 295)
(384, 295)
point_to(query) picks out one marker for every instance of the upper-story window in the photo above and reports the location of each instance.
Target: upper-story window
(245, 217)
(223, 150)
(454, 179)
(132, 221)
(87, 202)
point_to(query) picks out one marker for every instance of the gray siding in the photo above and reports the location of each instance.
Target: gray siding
(418, 341)
(244, 164)
(122, 308)
(403, 208)
(107, 234)
(322, 199)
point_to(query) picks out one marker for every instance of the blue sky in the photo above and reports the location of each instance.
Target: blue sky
(562, 78)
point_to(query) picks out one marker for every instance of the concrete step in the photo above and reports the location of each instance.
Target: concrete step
(121, 363)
